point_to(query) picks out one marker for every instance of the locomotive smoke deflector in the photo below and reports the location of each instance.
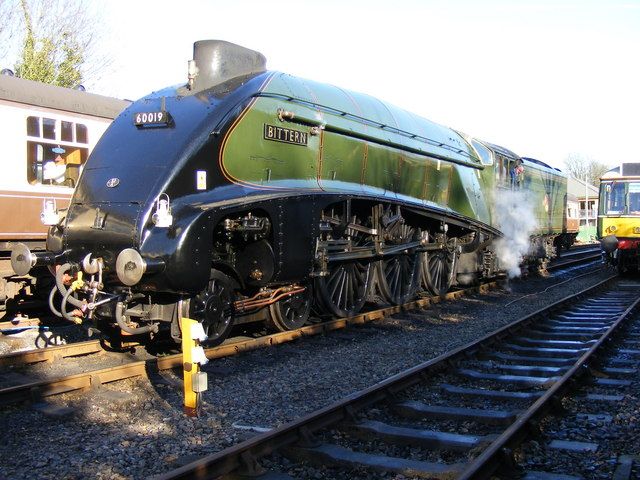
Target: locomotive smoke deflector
(216, 61)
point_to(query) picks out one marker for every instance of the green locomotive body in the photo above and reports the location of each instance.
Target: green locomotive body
(348, 142)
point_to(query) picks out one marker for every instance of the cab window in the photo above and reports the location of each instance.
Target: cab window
(502, 169)
(634, 198)
(615, 201)
(484, 153)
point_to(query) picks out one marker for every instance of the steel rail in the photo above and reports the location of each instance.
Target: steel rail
(19, 323)
(582, 250)
(244, 456)
(487, 462)
(584, 258)
(86, 380)
(50, 354)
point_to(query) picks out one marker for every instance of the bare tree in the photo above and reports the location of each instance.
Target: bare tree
(582, 167)
(8, 29)
(56, 41)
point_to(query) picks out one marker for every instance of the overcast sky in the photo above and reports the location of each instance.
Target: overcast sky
(543, 78)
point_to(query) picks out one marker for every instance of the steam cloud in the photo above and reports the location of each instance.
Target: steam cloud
(516, 220)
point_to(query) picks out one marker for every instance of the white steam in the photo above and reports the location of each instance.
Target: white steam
(514, 217)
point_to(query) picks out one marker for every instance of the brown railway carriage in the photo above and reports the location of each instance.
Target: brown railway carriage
(48, 133)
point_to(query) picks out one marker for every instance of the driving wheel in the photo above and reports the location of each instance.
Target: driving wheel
(213, 308)
(399, 277)
(290, 312)
(344, 290)
(438, 270)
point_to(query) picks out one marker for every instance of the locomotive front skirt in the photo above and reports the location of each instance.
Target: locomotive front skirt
(251, 195)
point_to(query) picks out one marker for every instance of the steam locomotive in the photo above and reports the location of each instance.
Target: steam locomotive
(248, 195)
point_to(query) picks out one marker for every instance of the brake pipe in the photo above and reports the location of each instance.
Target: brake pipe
(63, 308)
(52, 307)
(126, 328)
(63, 290)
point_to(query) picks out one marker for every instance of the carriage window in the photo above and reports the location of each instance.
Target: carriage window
(81, 133)
(33, 126)
(56, 151)
(615, 198)
(501, 170)
(49, 128)
(67, 131)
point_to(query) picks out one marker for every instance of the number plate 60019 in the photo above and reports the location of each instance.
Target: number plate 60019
(161, 118)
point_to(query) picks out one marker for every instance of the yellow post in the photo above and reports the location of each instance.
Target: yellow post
(189, 367)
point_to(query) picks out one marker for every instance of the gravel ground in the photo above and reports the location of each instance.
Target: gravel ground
(134, 429)
(16, 375)
(17, 339)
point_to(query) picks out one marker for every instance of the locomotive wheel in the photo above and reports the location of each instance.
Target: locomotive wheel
(399, 277)
(291, 312)
(344, 290)
(213, 307)
(438, 270)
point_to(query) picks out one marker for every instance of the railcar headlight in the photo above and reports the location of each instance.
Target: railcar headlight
(636, 229)
(612, 228)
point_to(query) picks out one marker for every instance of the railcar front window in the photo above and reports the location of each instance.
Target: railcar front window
(56, 151)
(634, 198)
(616, 199)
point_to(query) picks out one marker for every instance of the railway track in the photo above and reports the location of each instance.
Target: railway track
(576, 256)
(516, 374)
(50, 354)
(38, 389)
